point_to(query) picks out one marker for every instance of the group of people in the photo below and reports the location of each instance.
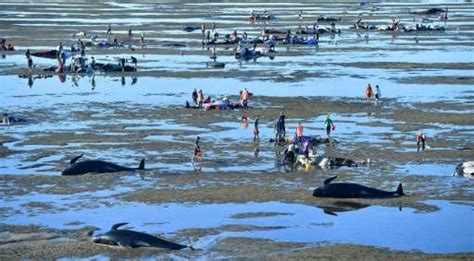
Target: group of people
(280, 129)
(369, 92)
(199, 100)
(300, 144)
(6, 47)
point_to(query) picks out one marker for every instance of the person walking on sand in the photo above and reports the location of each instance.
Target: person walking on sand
(378, 94)
(244, 97)
(329, 126)
(368, 92)
(256, 132)
(420, 141)
(197, 150)
(280, 129)
(299, 133)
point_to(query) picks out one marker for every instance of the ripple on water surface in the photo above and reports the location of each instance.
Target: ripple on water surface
(399, 229)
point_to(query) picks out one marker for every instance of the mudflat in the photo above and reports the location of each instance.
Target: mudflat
(239, 202)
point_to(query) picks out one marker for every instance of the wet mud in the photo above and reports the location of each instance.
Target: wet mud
(238, 202)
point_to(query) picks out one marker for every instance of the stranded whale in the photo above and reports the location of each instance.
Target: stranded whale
(352, 190)
(96, 166)
(129, 238)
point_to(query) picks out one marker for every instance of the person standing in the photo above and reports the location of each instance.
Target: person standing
(299, 133)
(195, 96)
(329, 126)
(420, 141)
(280, 129)
(244, 97)
(378, 94)
(203, 29)
(134, 62)
(200, 98)
(30, 63)
(60, 50)
(256, 132)
(109, 29)
(368, 92)
(444, 17)
(122, 64)
(197, 150)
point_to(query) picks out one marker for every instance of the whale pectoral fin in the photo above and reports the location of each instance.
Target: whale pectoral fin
(140, 244)
(329, 212)
(73, 160)
(114, 227)
(124, 244)
(328, 180)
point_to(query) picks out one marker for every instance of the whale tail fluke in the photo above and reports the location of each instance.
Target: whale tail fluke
(142, 165)
(400, 190)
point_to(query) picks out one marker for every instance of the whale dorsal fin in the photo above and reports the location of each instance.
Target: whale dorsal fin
(328, 180)
(114, 227)
(73, 160)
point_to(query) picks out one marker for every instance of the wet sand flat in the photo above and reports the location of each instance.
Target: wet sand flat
(239, 202)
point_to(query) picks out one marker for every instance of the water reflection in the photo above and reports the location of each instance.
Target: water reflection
(75, 79)
(355, 223)
(342, 206)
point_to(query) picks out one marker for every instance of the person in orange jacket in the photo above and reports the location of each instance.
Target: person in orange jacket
(368, 92)
(299, 132)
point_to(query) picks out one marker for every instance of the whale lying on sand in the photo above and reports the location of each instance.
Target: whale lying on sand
(465, 169)
(134, 239)
(96, 166)
(352, 190)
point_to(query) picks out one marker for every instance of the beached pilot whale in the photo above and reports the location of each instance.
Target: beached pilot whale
(430, 11)
(129, 238)
(96, 166)
(465, 169)
(352, 190)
